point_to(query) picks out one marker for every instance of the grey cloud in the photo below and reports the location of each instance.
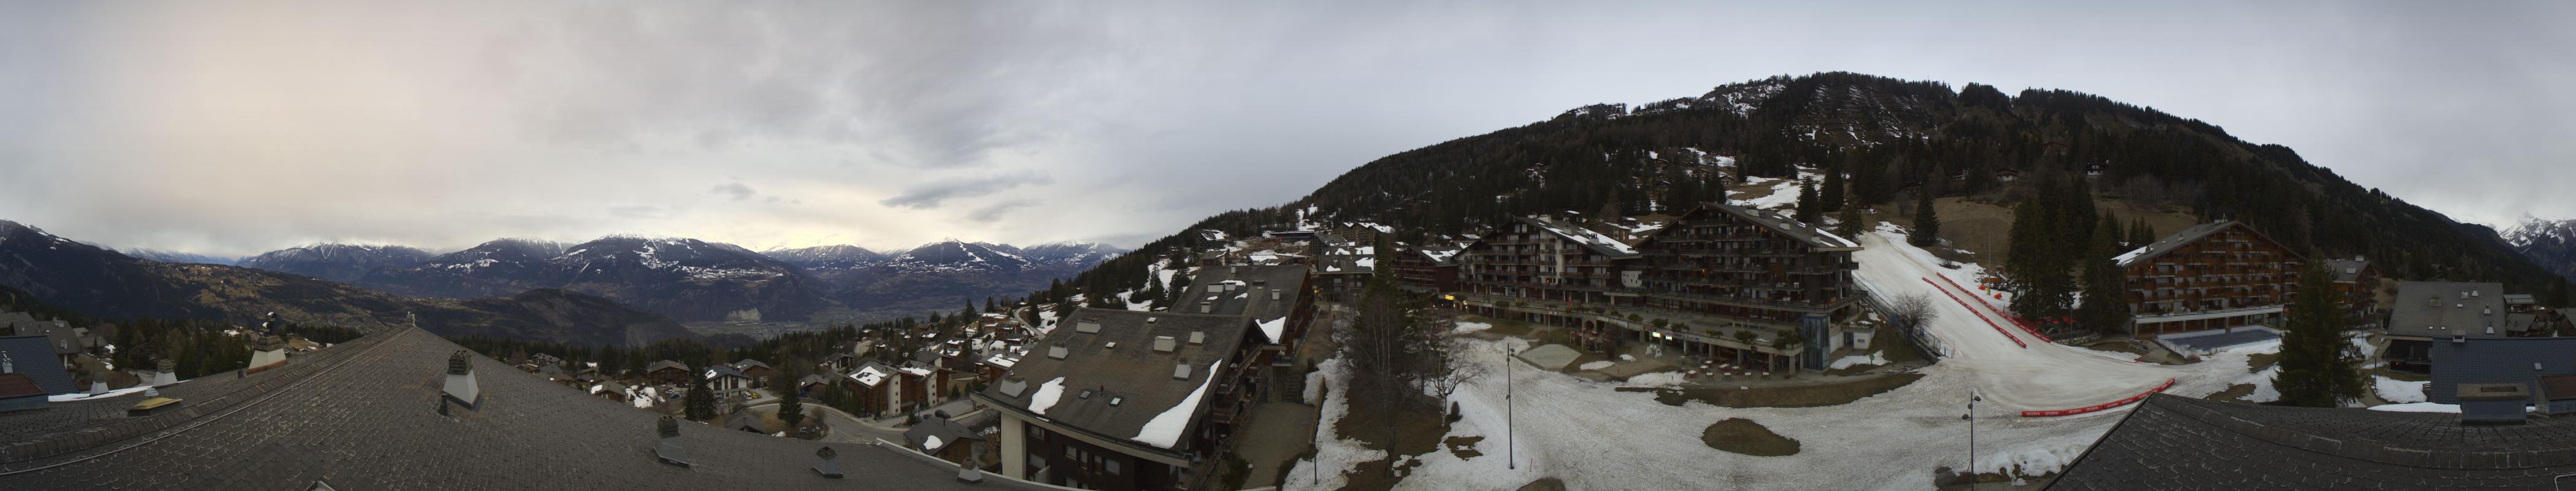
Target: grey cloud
(929, 195)
(735, 190)
(118, 126)
(994, 211)
(638, 212)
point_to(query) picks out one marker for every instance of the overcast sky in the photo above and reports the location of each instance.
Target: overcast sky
(232, 128)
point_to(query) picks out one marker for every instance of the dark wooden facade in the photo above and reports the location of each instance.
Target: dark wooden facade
(2212, 276)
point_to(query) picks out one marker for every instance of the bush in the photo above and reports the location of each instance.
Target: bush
(1453, 412)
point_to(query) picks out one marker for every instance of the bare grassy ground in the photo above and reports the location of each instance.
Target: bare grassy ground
(1744, 436)
(1795, 396)
(1983, 227)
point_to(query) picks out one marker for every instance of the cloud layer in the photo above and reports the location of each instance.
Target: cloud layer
(239, 127)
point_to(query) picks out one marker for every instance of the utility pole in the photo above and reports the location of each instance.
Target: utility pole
(1511, 438)
(1972, 439)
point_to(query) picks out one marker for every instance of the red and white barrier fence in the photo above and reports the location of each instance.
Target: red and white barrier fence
(1999, 328)
(2100, 407)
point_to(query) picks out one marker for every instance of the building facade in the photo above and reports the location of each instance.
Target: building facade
(2212, 276)
(1719, 280)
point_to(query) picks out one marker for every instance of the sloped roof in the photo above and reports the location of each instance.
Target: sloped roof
(1250, 294)
(34, 356)
(1133, 373)
(2443, 309)
(1596, 241)
(1795, 230)
(298, 431)
(2187, 236)
(2172, 442)
(948, 431)
(724, 371)
(2348, 270)
(659, 365)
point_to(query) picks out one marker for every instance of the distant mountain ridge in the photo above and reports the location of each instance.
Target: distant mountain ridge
(106, 284)
(687, 279)
(178, 257)
(2552, 243)
(336, 262)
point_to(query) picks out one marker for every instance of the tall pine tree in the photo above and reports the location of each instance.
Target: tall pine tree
(1810, 206)
(2317, 364)
(2105, 308)
(1832, 198)
(1927, 223)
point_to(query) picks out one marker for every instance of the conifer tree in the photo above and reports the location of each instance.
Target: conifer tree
(2106, 307)
(2317, 364)
(1809, 206)
(1927, 223)
(700, 404)
(1832, 200)
(1851, 222)
(791, 407)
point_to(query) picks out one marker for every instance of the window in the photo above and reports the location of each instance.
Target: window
(1110, 466)
(1036, 433)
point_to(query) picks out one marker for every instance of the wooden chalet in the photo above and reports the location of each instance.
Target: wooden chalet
(2216, 275)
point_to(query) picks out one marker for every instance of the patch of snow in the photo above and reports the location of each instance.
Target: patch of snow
(1165, 429)
(931, 443)
(1598, 365)
(1874, 359)
(2398, 391)
(2418, 407)
(102, 395)
(1464, 327)
(1657, 378)
(1275, 327)
(1047, 394)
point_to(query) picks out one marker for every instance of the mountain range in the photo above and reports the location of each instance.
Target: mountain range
(2552, 243)
(695, 280)
(107, 284)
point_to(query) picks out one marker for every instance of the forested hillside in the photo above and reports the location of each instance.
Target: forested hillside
(1893, 138)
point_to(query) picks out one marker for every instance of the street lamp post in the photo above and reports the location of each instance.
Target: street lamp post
(1972, 438)
(1511, 438)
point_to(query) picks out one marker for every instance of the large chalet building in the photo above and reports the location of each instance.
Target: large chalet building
(1121, 400)
(2215, 275)
(1280, 301)
(1701, 283)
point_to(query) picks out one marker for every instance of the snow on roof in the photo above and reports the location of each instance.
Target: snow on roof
(931, 443)
(1047, 394)
(869, 375)
(1274, 327)
(1590, 239)
(916, 371)
(1165, 429)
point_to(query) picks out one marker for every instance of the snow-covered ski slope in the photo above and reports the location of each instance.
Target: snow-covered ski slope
(2041, 377)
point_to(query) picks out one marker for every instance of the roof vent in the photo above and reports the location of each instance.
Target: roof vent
(7, 366)
(831, 465)
(1198, 337)
(461, 386)
(1114, 400)
(1056, 352)
(1165, 344)
(2459, 339)
(1086, 394)
(670, 451)
(1149, 320)
(1109, 345)
(1181, 371)
(1087, 327)
(2490, 329)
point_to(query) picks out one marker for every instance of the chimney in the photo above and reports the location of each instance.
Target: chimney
(670, 452)
(460, 381)
(973, 471)
(831, 466)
